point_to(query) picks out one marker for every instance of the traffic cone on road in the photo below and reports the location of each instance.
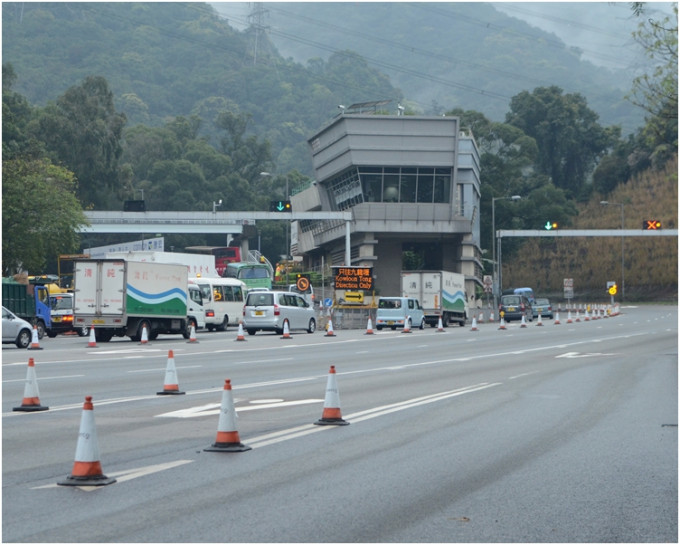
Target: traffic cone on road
(502, 326)
(331, 415)
(440, 325)
(569, 320)
(87, 469)
(35, 342)
(145, 336)
(329, 329)
(227, 435)
(556, 321)
(523, 322)
(171, 384)
(369, 327)
(540, 320)
(92, 343)
(31, 401)
(491, 319)
(474, 324)
(240, 336)
(407, 327)
(192, 335)
(286, 331)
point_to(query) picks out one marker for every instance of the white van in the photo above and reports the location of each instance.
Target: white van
(394, 312)
(222, 300)
(195, 310)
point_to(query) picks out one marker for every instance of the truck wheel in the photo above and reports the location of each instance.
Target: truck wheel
(422, 323)
(83, 331)
(51, 334)
(41, 329)
(102, 336)
(224, 324)
(24, 338)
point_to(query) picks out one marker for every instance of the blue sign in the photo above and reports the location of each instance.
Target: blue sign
(327, 302)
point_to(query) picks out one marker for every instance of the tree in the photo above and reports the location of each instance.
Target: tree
(82, 131)
(570, 141)
(40, 214)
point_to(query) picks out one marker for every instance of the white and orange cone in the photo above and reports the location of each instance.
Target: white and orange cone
(369, 327)
(491, 319)
(145, 336)
(31, 400)
(331, 415)
(407, 327)
(329, 329)
(92, 342)
(35, 341)
(171, 385)
(227, 435)
(286, 331)
(578, 315)
(481, 317)
(540, 320)
(87, 469)
(569, 320)
(440, 325)
(474, 324)
(523, 322)
(556, 321)
(240, 336)
(502, 326)
(192, 335)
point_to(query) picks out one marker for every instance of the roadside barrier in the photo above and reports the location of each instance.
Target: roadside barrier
(171, 384)
(35, 341)
(87, 468)
(31, 400)
(227, 439)
(331, 415)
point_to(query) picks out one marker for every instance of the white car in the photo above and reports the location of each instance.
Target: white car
(15, 330)
(270, 310)
(394, 312)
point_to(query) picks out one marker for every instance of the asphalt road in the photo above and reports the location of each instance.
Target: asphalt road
(559, 433)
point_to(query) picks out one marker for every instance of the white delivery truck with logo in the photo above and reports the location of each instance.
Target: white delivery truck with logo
(120, 298)
(441, 294)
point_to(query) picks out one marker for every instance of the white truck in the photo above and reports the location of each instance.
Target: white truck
(120, 298)
(198, 265)
(441, 294)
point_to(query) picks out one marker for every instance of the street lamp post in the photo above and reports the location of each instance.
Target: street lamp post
(623, 259)
(495, 268)
(216, 204)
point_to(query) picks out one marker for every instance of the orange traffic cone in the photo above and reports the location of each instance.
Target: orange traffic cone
(329, 330)
(481, 317)
(192, 335)
(87, 469)
(31, 401)
(586, 317)
(286, 331)
(35, 342)
(440, 326)
(502, 326)
(491, 319)
(524, 322)
(407, 326)
(556, 321)
(92, 343)
(331, 415)
(145, 336)
(540, 320)
(369, 327)
(171, 385)
(240, 336)
(578, 315)
(227, 435)
(474, 324)
(569, 320)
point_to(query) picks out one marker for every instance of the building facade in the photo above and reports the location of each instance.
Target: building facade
(413, 186)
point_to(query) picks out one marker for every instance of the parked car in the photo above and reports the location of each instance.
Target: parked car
(543, 308)
(15, 330)
(513, 307)
(270, 310)
(394, 312)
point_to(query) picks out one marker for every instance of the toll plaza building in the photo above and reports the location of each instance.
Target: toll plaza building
(412, 185)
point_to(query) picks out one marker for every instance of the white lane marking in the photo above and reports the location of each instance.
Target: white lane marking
(127, 474)
(43, 378)
(159, 369)
(211, 409)
(571, 355)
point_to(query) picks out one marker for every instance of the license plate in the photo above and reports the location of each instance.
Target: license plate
(390, 322)
(259, 313)
(56, 319)
(540, 309)
(511, 309)
(98, 322)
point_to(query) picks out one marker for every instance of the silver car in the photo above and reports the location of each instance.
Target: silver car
(270, 310)
(15, 330)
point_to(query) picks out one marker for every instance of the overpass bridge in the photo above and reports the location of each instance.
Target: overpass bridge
(192, 222)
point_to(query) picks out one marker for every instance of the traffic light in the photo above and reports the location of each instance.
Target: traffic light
(280, 206)
(550, 225)
(651, 225)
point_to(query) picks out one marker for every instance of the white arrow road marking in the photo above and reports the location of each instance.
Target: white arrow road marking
(128, 474)
(214, 408)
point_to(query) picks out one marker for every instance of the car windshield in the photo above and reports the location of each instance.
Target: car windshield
(62, 303)
(260, 299)
(389, 303)
(511, 300)
(542, 302)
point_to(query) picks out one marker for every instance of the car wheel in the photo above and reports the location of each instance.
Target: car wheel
(312, 326)
(250, 331)
(379, 327)
(24, 338)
